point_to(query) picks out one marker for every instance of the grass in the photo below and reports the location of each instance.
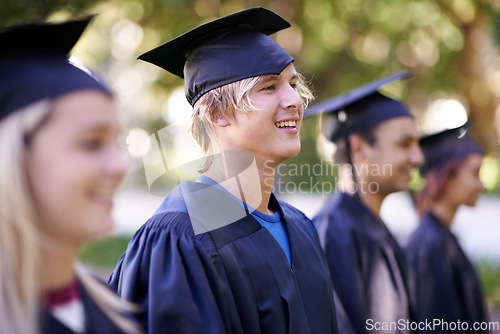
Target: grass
(102, 255)
(489, 274)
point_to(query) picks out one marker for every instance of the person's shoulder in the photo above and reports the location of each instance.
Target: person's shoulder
(173, 228)
(343, 223)
(429, 230)
(336, 207)
(427, 238)
(338, 216)
(291, 211)
(295, 216)
(172, 216)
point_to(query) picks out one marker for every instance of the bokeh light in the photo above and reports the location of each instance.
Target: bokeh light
(135, 141)
(443, 114)
(490, 173)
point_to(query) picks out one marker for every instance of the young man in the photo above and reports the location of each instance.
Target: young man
(222, 254)
(377, 146)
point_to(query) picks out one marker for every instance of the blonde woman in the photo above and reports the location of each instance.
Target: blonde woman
(61, 163)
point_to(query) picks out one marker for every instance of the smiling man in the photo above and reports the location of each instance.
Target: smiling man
(377, 147)
(222, 254)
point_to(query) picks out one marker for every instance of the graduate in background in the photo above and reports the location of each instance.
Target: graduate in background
(61, 163)
(222, 254)
(376, 148)
(447, 287)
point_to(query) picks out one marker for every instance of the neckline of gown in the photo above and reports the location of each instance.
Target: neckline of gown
(375, 225)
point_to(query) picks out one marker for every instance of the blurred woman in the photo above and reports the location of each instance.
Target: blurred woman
(60, 165)
(447, 288)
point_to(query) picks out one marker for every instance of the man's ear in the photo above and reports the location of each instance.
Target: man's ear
(220, 121)
(358, 147)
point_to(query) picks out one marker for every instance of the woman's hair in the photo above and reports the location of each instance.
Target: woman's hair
(19, 235)
(109, 303)
(225, 101)
(21, 239)
(435, 182)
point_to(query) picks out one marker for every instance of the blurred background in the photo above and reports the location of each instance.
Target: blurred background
(451, 47)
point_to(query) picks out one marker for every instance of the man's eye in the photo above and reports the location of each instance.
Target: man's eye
(92, 144)
(269, 87)
(405, 144)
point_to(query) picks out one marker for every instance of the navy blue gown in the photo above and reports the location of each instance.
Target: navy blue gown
(368, 268)
(96, 322)
(447, 287)
(231, 279)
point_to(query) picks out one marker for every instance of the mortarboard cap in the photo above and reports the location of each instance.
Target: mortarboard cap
(360, 109)
(34, 64)
(447, 145)
(222, 51)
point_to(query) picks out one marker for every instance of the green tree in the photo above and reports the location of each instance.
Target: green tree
(450, 46)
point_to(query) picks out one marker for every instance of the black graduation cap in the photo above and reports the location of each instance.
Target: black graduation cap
(34, 64)
(222, 51)
(447, 145)
(360, 109)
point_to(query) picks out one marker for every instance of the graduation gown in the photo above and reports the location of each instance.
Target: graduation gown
(447, 286)
(232, 279)
(96, 322)
(368, 268)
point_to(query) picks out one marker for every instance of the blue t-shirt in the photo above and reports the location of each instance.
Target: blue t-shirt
(273, 223)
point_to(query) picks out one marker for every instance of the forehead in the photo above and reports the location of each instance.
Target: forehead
(84, 107)
(398, 128)
(474, 160)
(288, 73)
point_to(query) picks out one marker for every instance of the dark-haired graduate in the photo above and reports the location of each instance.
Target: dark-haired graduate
(377, 147)
(447, 287)
(60, 164)
(222, 254)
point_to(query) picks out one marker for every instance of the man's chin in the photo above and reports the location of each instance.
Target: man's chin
(402, 186)
(289, 154)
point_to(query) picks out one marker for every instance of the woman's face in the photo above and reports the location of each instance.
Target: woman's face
(74, 164)
(465, 186)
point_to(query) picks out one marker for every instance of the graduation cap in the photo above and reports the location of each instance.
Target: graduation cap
(34, 64)
(360, 109)
(222, 51)
(447, 145)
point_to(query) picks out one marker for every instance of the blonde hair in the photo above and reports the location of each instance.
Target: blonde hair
(224, 102)
(19, 236)
(21, 239)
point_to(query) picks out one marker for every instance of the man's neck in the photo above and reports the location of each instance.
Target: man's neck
(372, 200)
(266, 180)
(252, 185)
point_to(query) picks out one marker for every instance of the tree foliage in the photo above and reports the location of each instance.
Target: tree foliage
(450, 46)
